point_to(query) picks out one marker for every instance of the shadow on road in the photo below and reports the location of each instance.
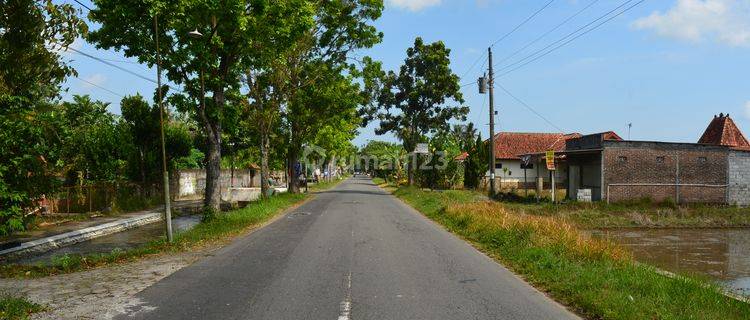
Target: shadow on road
(373, 193)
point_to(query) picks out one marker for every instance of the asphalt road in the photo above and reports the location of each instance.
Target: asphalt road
(354, 252)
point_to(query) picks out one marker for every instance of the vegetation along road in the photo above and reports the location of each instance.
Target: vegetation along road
(352, 252)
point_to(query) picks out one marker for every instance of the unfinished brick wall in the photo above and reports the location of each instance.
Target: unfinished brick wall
(739, 178)
(665, 163)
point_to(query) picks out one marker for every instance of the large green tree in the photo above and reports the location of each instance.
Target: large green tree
(234, 35)
(422, 98)
(32, 34)
(94, 142)
(386, 159)
(322, 81)
(475, 165)
(141, 123)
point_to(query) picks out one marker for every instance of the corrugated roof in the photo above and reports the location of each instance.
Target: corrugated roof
(723, 131)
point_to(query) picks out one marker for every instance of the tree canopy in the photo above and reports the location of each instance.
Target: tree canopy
(423, 97)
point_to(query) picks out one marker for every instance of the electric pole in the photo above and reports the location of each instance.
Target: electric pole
(167, 207)
(492, 125)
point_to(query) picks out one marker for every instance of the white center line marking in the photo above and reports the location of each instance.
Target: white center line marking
(346, 305)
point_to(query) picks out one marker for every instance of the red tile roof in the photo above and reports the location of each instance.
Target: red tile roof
(723, 131)
(508, 145)
(610, 135)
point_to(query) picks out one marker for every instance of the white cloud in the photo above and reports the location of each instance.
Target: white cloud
(414, 5)
(747, 109)
(724, 21)
(93, 80)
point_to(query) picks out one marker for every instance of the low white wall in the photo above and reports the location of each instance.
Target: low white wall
(191, 184)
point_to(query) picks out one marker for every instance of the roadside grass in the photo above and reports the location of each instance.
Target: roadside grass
(594, 277)
(221, 228)
(16, 308)
(642, 213)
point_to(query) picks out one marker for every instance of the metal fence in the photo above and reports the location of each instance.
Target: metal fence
(104, 197)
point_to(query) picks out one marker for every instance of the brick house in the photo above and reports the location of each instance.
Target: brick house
(714, 170)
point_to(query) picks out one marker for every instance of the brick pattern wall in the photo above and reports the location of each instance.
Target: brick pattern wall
(658, 164)
(739, 178)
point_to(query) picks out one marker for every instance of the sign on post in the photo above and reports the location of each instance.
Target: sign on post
(550, 159)
(526, 162)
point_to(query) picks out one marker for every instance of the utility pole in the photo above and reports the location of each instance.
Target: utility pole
(630, 125)
(492, 125)
(167, 207)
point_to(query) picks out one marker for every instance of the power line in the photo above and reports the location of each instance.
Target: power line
(107, 61)
(468, 84)
(138, 64)
(120, 68)
(575, 36)
(506, 35)
(472, 66)
(566, 36)
(100, 87)
(523, 23)
(112, 65)
(82, 5)
(548, 32)
(529, 107)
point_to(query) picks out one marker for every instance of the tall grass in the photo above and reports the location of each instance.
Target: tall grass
(480, 217)
(641, 213)
(596, 278)
(16, 308)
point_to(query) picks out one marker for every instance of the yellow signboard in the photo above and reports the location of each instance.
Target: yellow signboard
(550, 158)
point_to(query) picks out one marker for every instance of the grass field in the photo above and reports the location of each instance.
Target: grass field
(595, 278)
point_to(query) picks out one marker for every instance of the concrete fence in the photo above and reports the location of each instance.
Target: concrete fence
(191, 184)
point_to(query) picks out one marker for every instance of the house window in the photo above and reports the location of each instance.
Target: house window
(702, 160)
(659, 159)
(622, 159)
(498, 165)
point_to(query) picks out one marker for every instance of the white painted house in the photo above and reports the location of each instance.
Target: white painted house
(509, 173)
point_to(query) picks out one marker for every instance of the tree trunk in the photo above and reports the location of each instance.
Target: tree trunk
(410, 168)
(142, 166)
(212, 199)
(411, 146)
(293, 155)
(264, 171)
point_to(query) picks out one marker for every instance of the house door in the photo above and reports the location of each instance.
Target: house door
(574, 181)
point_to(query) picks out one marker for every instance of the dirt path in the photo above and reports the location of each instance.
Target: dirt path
(100, 293)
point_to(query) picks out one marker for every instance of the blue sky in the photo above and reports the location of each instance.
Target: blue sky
(665, 66)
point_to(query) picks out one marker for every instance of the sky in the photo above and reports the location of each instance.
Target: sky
(666, 66)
